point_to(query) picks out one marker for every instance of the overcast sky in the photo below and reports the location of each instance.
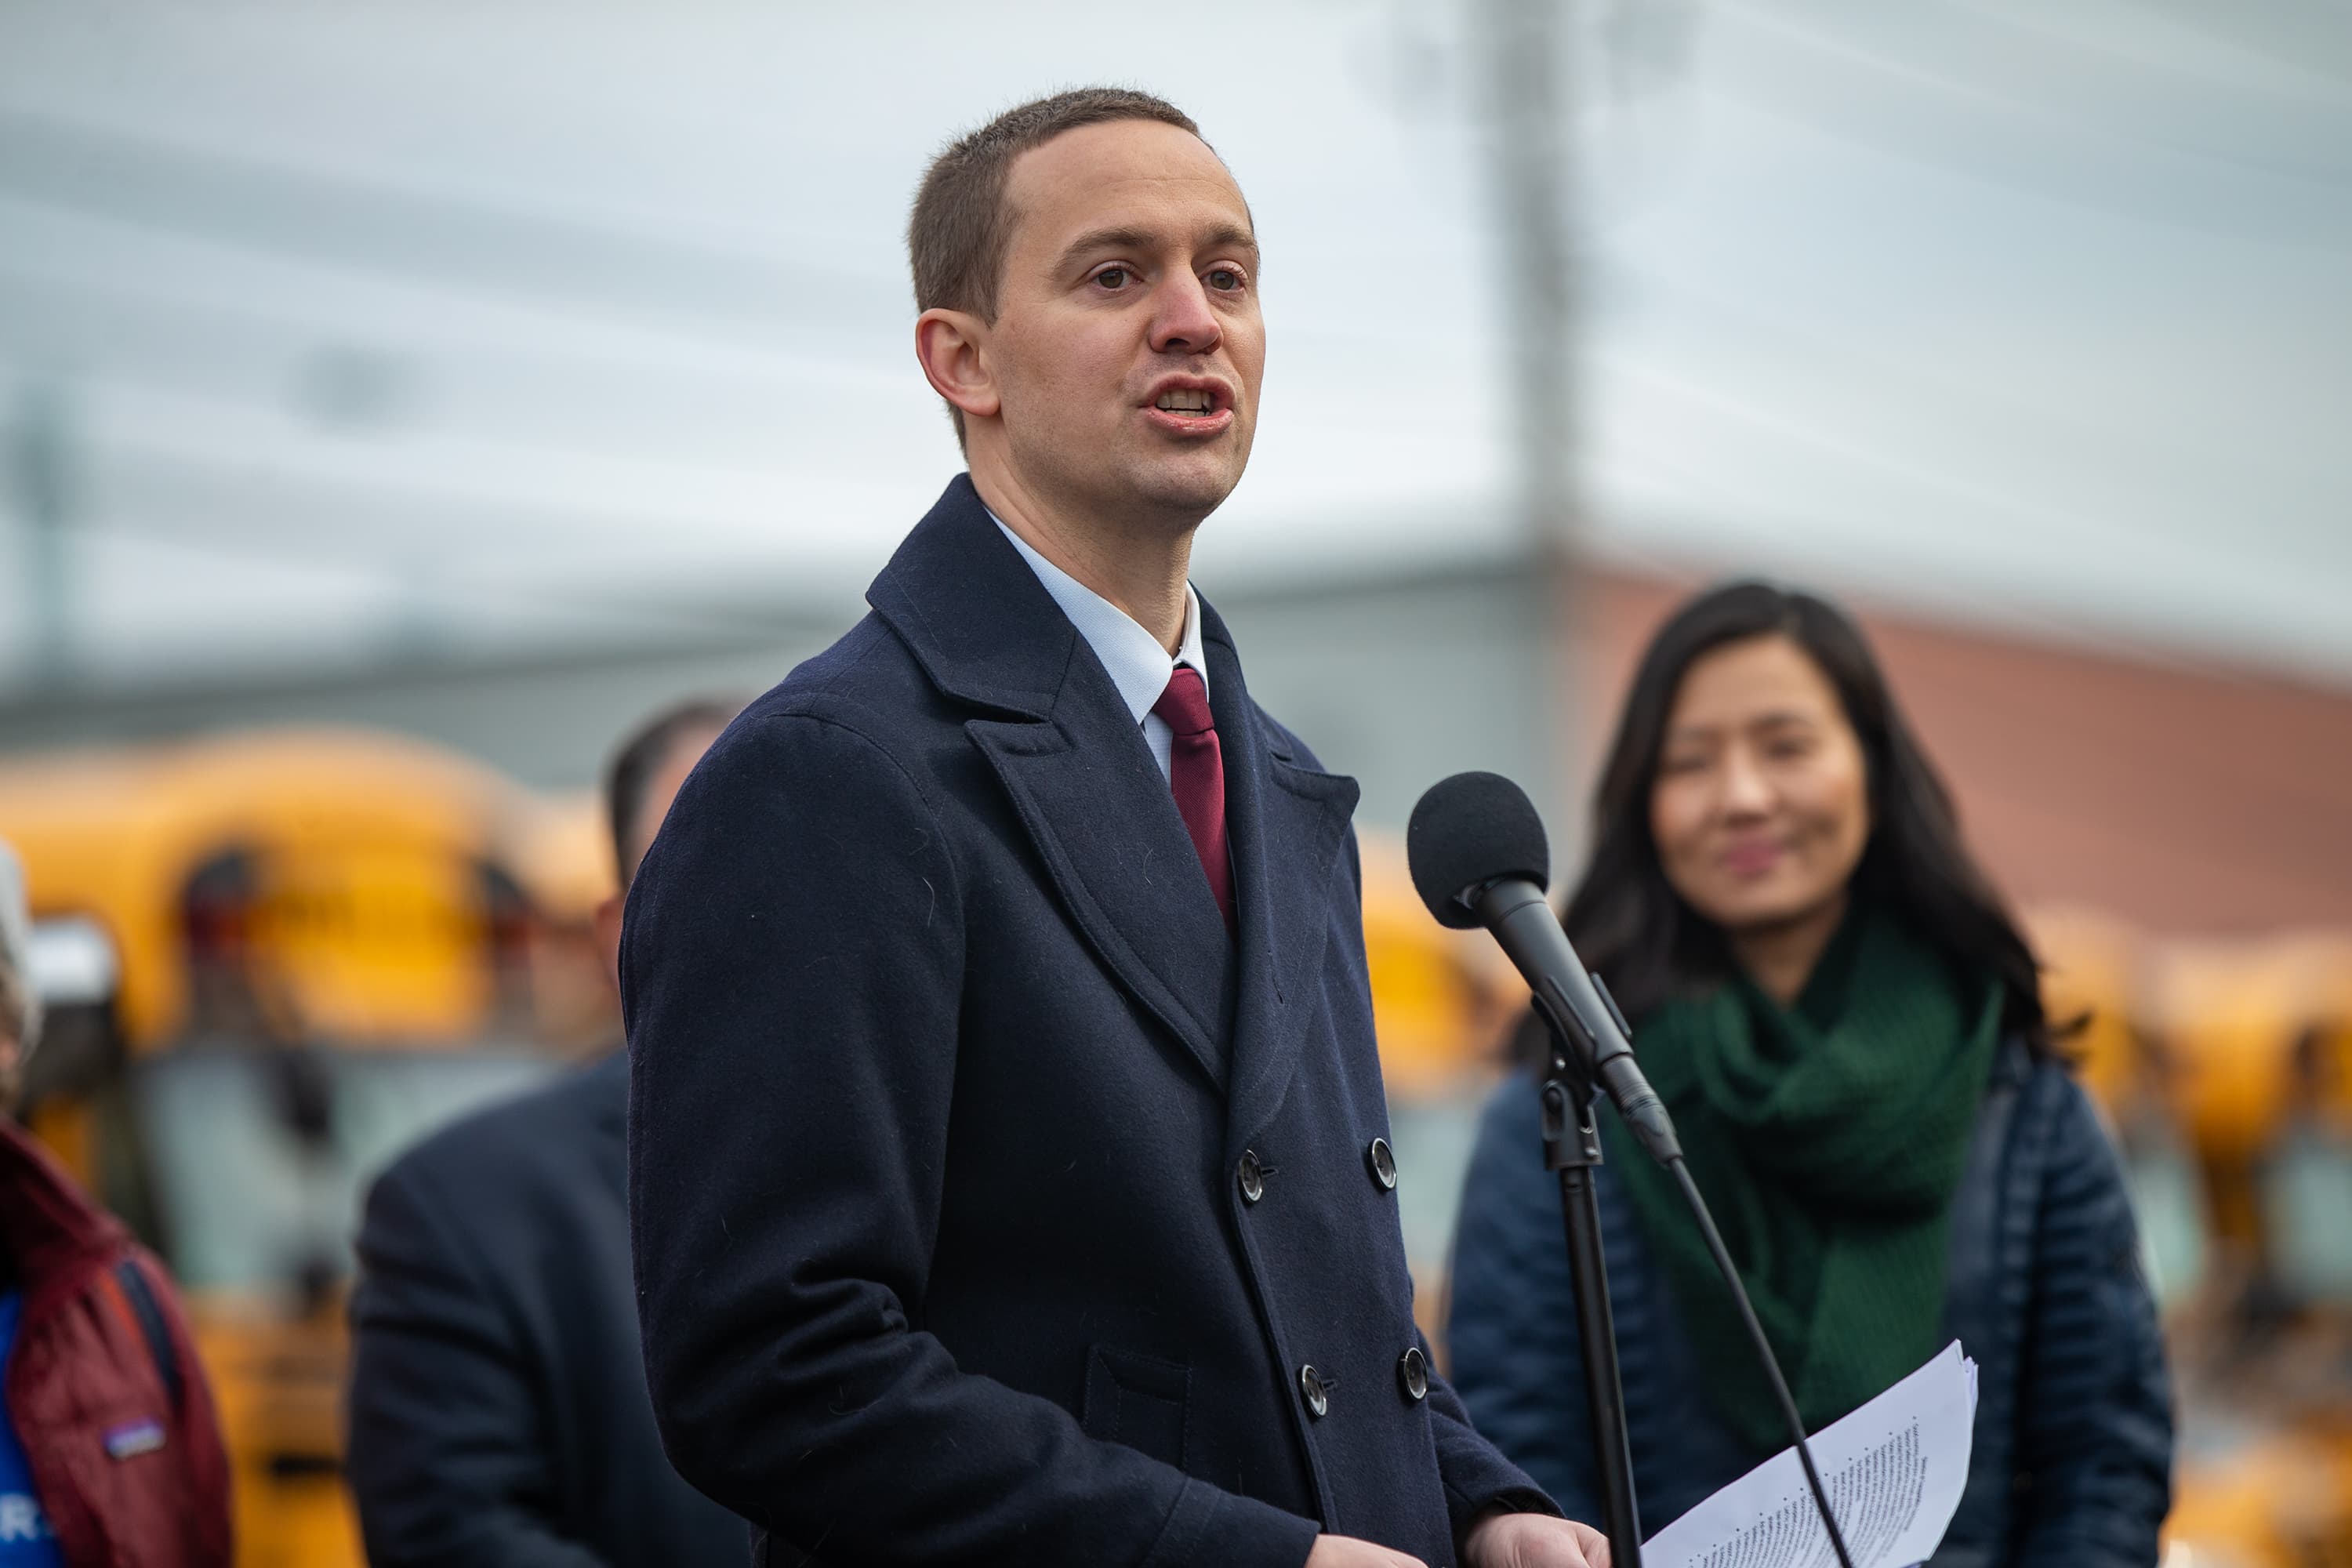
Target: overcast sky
(370, 328)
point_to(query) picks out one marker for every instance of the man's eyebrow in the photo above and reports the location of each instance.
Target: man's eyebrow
(1113, 238)
(1231, 236)
(1118, 238)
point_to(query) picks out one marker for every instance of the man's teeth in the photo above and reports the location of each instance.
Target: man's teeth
(1188, 402)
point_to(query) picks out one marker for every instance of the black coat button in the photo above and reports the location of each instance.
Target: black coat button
(1253, 1177)
(1314, 1390)
(1413, 1372)
(1381, 1161)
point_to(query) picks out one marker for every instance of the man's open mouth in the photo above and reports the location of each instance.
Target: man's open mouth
(1188, 402)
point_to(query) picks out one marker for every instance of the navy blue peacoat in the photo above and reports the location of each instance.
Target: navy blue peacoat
(497, 1410)
(990, 1204)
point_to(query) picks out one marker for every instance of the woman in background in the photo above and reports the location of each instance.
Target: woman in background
(1848, 1030)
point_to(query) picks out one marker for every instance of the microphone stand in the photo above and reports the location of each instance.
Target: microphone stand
(1573, 1148)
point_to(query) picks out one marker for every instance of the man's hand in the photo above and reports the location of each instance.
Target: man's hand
(1531, 1540)
(1498, 1541)
(1346, 1552)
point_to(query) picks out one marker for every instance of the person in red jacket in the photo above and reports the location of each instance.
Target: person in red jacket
(110, 1453)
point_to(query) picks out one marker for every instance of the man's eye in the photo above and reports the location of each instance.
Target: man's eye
(1225, 279)
(1112, 278)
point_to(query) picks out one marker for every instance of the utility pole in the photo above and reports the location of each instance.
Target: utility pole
(1527, 60)
(1534, 172)
(39, 474)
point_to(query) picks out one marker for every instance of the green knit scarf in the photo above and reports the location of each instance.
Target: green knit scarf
(1827, 1139)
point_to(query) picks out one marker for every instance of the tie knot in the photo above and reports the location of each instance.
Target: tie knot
(1184, 706)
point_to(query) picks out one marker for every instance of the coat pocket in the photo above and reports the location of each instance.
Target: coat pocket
(1138, 1400)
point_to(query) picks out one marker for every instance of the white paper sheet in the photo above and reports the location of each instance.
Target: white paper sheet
(1894, 1470)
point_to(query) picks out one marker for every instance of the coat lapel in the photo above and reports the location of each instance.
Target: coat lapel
(1099, 813)
(1069, 754)
(1287, 825)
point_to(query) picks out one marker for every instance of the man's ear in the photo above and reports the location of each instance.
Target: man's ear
(952, 348)
(608, 937)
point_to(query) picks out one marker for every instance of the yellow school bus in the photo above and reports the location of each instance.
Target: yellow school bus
(272, 962)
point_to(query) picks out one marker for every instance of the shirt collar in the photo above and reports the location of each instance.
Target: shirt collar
(1138, 666)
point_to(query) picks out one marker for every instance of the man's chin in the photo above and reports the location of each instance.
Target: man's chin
(1191, 488)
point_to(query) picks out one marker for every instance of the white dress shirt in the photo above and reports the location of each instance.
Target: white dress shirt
(1138, 666)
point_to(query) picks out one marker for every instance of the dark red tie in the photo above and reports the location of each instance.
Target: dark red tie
(1196, 772)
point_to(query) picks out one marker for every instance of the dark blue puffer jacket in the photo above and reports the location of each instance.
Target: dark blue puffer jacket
(2072, 1454)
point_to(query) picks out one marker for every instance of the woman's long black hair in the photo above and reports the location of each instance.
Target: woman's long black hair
(1628, 922)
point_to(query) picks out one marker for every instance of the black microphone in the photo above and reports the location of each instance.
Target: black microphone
(1479, 859)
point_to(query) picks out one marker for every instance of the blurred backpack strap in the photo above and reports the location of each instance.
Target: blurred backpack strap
(150, 1314)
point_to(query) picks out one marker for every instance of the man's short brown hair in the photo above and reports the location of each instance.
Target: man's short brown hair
(956, 236)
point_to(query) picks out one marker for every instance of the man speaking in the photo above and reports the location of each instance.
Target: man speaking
(1010, 1179)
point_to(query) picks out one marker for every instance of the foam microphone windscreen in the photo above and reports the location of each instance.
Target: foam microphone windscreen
(1467, 831)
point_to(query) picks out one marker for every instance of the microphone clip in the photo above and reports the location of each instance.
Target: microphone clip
(1572, 1140)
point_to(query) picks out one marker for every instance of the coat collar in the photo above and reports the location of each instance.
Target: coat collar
(971, 612)
(1097, 810)
(46, 1223)
(1137, 665)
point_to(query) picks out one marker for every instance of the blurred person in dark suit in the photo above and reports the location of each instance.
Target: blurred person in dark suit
(109, 1450)
(1009, 1160)
(498, 1404)
(1848, 1030)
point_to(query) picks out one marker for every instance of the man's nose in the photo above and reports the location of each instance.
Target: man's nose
(1182, 320)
